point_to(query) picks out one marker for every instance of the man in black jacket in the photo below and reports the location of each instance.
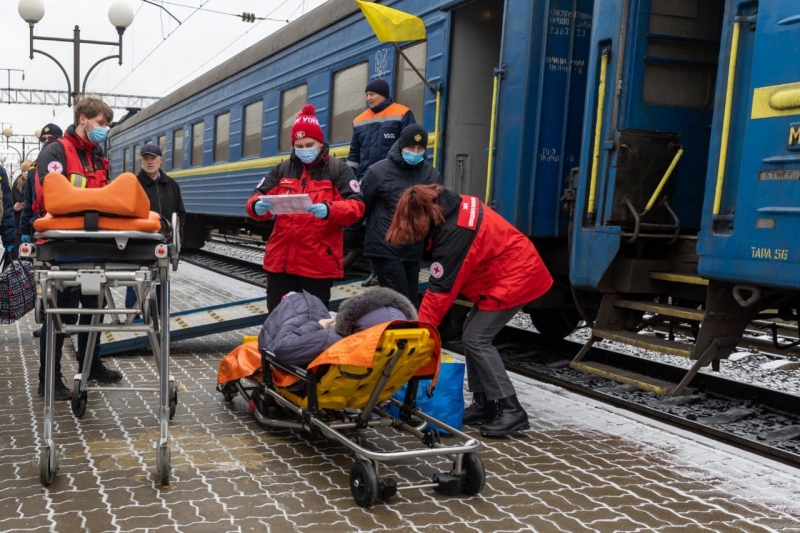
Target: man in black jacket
(397, 266)
(164, 194)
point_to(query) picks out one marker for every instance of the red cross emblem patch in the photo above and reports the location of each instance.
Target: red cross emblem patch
(437, 270)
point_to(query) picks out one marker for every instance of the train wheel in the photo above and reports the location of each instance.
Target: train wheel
(555, 323)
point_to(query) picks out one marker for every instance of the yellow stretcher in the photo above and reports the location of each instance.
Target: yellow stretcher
(336, 398)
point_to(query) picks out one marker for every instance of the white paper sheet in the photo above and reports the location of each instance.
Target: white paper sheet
(287, 204)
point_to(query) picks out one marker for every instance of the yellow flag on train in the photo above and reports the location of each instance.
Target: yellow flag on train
(391, 25)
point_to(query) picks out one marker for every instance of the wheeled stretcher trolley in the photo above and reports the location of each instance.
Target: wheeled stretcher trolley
(95, 252)
(345, 390)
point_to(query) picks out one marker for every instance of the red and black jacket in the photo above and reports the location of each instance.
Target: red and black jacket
(476, 253)
(81, 161)
(302, 244)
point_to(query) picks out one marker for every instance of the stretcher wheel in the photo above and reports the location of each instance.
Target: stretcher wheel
(79, 399)
(38, 311)
(173, 398)
(474, 474)
(364, 483)
(48, 465)
(162, 461)
(228, 392)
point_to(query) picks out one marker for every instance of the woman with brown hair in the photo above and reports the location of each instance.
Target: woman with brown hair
(479, 255)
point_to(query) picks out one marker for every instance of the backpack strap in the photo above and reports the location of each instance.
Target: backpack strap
(333, 168)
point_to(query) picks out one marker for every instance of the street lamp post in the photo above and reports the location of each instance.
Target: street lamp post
(8, 133)
(120, 15)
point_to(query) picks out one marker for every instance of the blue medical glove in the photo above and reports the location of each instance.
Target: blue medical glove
(318, 210)
(26, 238)
(262, 206)
(10, 249)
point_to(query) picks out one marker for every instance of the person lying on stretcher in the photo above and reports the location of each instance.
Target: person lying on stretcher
(300, 327)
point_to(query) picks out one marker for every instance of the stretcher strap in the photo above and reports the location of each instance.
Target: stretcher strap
(91, 220)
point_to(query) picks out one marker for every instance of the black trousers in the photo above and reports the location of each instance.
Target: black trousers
(278, 285)
(400, 276)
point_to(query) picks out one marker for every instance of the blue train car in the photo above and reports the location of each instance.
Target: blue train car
(687, 187)
(512, 77)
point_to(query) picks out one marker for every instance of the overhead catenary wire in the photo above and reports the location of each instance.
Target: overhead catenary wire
(177, 83)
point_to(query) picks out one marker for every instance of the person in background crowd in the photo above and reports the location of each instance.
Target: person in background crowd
(479, 255)
(374, 133)
(165, 199)
(79, 157)
(31, 210)
(19, 198)
(7, 232)
(305, 251)
(397, 266)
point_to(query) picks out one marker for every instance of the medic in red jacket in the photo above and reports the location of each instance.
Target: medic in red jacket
(79, 154)
(479, 255)
(307, 247)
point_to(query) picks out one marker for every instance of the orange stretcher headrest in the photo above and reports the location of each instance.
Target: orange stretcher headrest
(123, 197)
(152, 224)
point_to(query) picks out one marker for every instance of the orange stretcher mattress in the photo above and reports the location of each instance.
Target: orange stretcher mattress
(152, 224)
(123, 197)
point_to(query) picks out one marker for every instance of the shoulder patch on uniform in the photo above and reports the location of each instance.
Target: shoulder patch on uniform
(55, 166)
(355, 186)
(468, 213)
(437, 270)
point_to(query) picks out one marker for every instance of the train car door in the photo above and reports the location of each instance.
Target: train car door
(752, 206)
(652, 73)
(476, 31)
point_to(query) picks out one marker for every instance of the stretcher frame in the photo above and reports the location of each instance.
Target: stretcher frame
(467, 476)
(96, 261)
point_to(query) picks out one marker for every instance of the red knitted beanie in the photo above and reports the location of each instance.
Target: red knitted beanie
(307, 125)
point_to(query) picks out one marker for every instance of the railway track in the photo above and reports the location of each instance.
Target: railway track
(755, 418)
(240, 269)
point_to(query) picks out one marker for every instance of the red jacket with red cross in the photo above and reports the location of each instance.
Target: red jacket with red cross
(81, 161)
(476, 253)
(302, 244)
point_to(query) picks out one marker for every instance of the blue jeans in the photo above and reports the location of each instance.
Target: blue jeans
(400, 276)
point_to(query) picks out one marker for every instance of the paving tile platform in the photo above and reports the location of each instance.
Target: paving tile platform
(583, 466)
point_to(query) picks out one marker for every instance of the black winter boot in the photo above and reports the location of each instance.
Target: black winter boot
(480, 411)
(511, 417)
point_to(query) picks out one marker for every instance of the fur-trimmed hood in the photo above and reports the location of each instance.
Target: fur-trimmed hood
(371, 308)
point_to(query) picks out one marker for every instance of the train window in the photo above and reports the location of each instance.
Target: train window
(197, 144)
(137, 158)
(162, 143)
(177, 149)
(409, 89)
(682, 51)
(222, 137)
(251, 136)
(292, 100)
(347, 100)
(126, 160)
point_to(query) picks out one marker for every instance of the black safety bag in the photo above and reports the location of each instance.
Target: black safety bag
(17, 289)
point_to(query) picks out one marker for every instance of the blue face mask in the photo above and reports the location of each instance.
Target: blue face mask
(98, 134)
(307, 155)
(413, 159)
